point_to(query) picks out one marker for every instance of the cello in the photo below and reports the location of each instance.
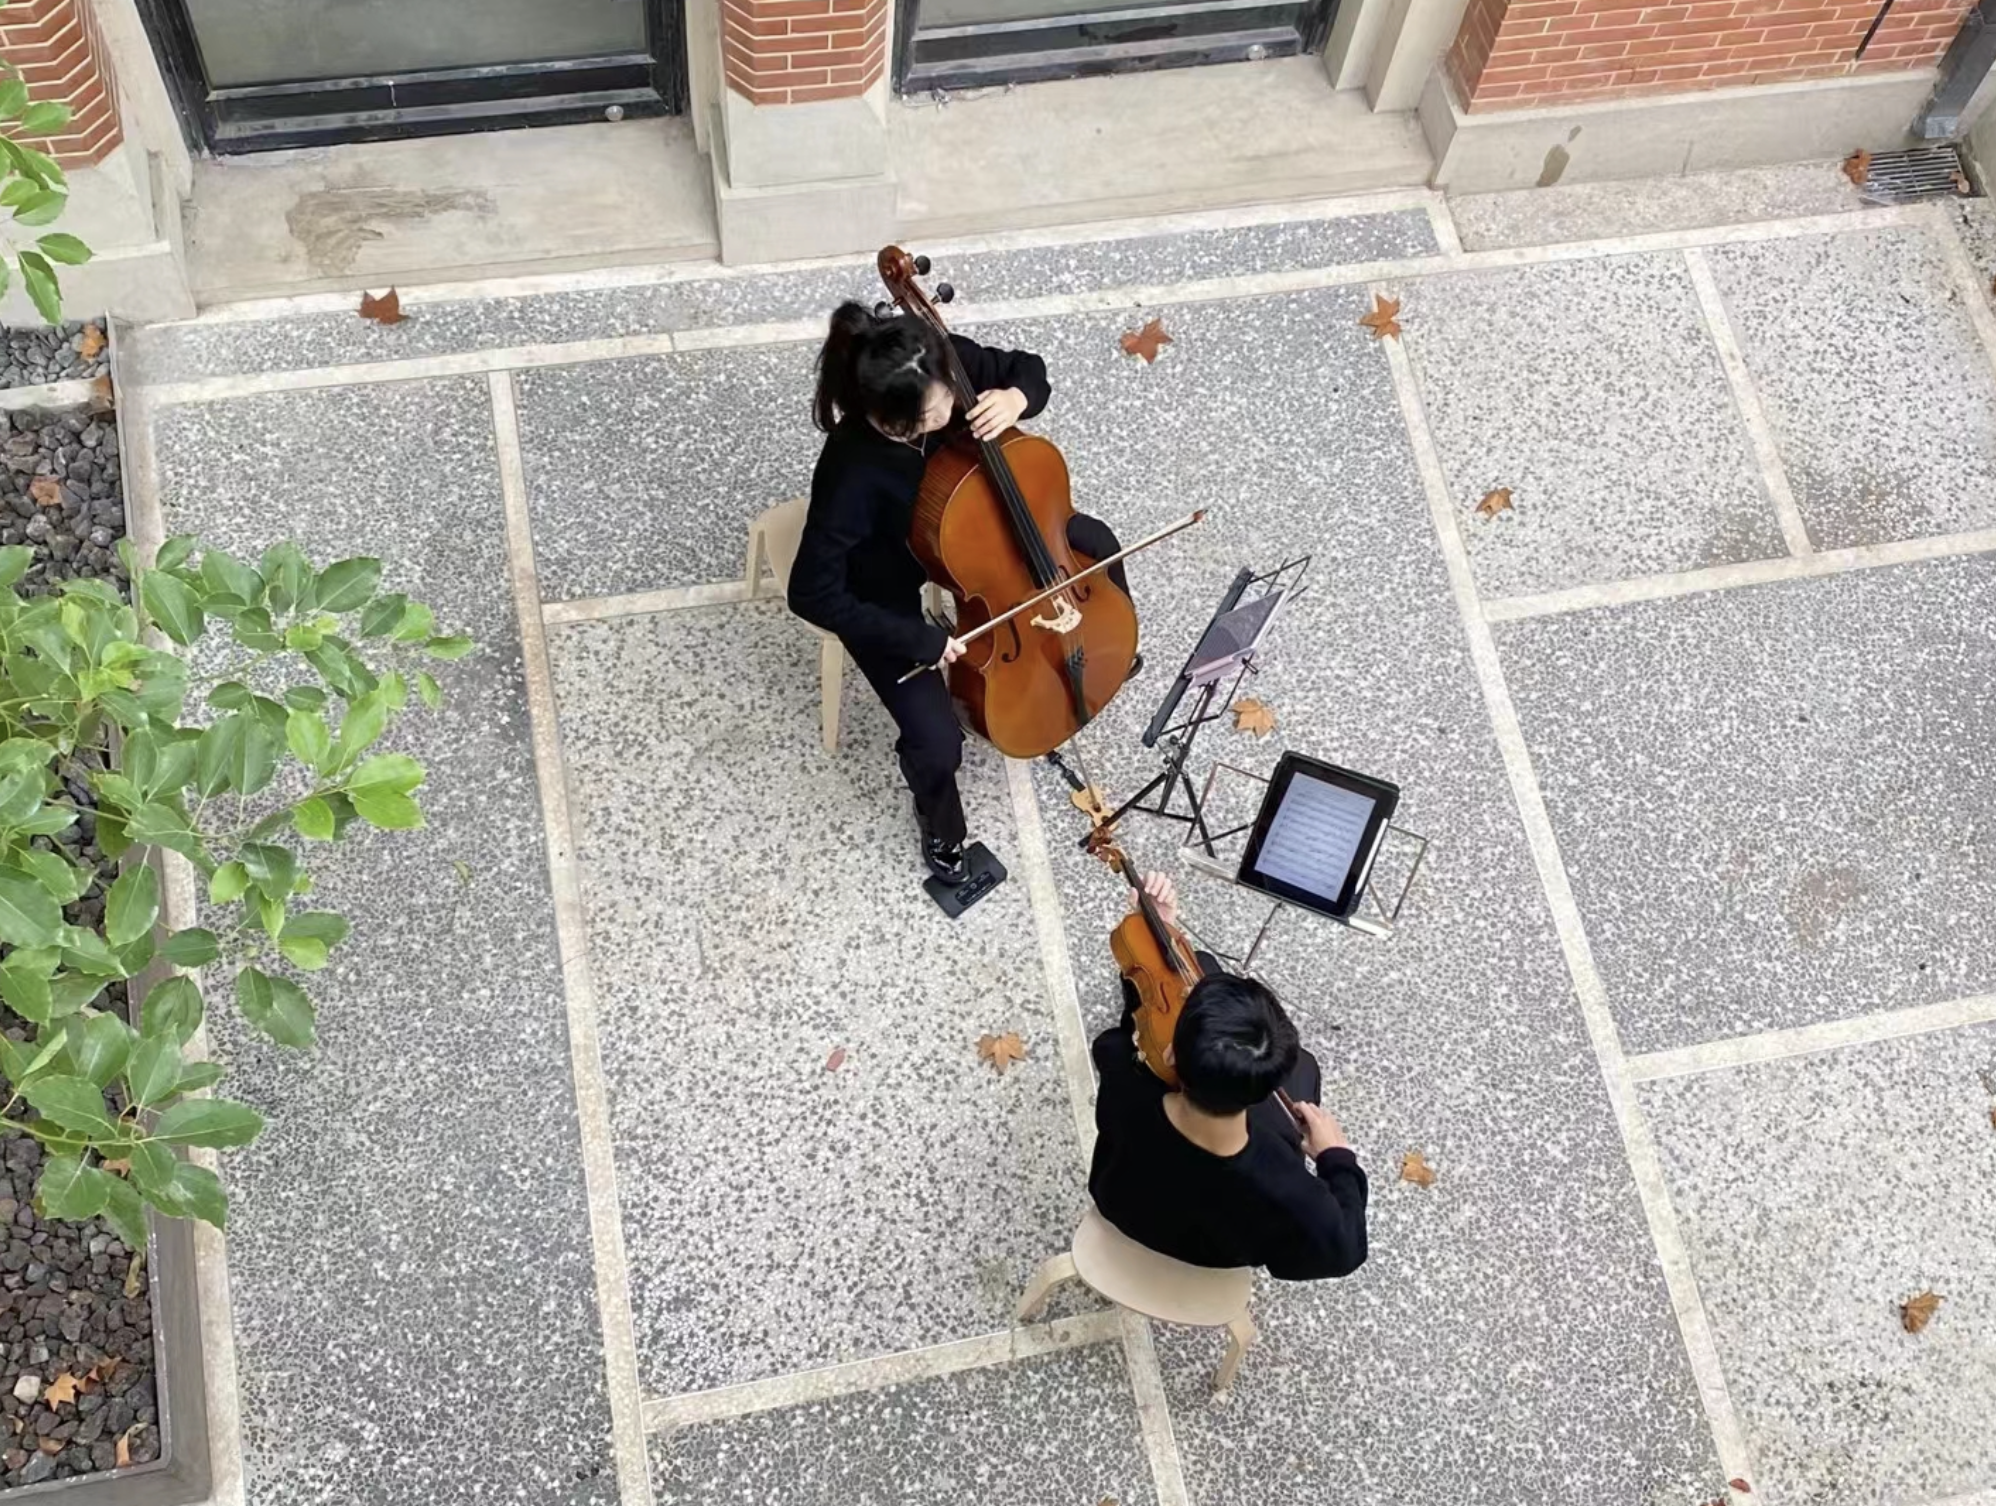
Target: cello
(1049, 639)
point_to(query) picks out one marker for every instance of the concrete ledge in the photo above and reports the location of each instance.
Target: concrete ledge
(141, 283)
(801, 221)
(1667, 135)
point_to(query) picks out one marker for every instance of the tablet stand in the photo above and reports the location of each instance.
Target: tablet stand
(1210, 861)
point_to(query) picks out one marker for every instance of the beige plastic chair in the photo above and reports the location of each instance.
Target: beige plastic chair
(1134, 1276)
(772, 542)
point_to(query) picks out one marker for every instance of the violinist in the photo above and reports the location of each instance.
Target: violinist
(885, 406)
(1215, 1173)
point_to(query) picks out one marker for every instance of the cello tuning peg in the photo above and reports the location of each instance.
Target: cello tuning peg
(945, 293)
(922, 266)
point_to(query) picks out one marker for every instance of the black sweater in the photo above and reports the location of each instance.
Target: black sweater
(855, 574)
(1259, 1207)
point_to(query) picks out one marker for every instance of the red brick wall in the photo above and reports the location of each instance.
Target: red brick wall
(1512, 54)
(780, 52)
(62, 59)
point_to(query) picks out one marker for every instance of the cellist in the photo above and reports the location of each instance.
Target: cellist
(884, 404)
(1217, 1173)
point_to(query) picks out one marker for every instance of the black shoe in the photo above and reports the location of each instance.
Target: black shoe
(945, 860)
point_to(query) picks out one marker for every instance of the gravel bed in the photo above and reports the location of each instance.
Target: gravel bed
(35, 356)
(65, 1304)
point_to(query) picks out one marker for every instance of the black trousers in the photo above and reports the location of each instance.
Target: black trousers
(930, 747)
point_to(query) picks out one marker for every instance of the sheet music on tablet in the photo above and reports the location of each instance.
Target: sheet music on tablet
(1315, 836)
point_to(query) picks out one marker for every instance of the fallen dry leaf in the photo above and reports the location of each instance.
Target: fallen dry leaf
(1384, 319)
(125, 1444)
(46, 490)
(91, 343)
(1992, 1118)
(1088, 800)
(1916, 1314)
(1001, 1050)
(387, 309)
(1962, 186)
(1414, 1168)
(102, 399)
(50, 1445)
(836, 1060)
(1254, 716)
(135, 1278)
(1146, 342)
(1495, 502)
(120, 1167)
(1857, 167)
(61, 1389)
(1739, 1486)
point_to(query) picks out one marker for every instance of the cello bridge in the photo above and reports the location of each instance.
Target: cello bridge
(1064, 620)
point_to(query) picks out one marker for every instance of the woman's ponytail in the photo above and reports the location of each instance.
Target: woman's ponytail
(838, 364)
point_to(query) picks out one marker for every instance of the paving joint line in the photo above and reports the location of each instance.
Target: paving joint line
(1645, 1166)
(1746, 397)
(878, 1372)
(592, 1113)
(1808, 1040)
(1101, 300)
(1441, 220)
(1139, 1353)
(1968, 283)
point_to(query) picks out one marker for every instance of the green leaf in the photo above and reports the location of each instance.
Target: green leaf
(271, 716)
(252, 630)
(39, 277)
(428, 688)
(303, 637)
(27, 992)
(237, 753)
(72, 991)
(320, 925)
(57, 874)
(387, 809)
(152, 1164)
(64, 248)
(172, 604)
(160, 825)
(18, 191)
(13, 98)
(75, 1103)
(29, 914)
(89, 952)
(394, 690)
(306, 732)
(224, 573)
(273, 869)
(270, 916)
(231, 695)
(154, 1072)
(172, 1008)
(175, 552)
(394, 771)
(21, 795)
(71, 1190)
(33, 164)
(341, 669)
(125, 1211)
(15, 561)
(132, 905)
(305, 698)
(417, 623)
(383, 614)
(101, 1047)
(348, 585)
(314, 819)
(51, 1048)
(231, 882)
(197, 1076)
(44, 208)
(218, 1123)
(363, 723)
(303, 952)
(193, 947)
(44, 118)
(289, 575)
(193, 1192)
(276, 1006)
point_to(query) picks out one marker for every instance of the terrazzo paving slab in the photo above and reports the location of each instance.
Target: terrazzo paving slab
(753, 908)
(1510, 1329)
(705, 297)
(645, 473)
(1773, 802)
(1880, 396)
(1060, 1430)
(409, 1258)
(1643, 206)
(1816, 1194)
(1592, 390)
(1974, 220)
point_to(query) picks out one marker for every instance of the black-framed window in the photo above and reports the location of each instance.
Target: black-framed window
(256, 75)
(963, 44)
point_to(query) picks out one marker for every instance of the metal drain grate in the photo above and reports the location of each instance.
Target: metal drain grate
(1922, 172)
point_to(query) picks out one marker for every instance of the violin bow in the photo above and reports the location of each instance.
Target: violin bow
(1061, 585)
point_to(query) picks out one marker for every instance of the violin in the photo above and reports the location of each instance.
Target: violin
(1049, 638)
(1154, 956)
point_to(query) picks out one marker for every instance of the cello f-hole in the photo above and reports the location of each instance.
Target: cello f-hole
(1011, 655)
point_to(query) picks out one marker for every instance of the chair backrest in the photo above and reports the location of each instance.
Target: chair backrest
(1139, 1278)
(782, 529)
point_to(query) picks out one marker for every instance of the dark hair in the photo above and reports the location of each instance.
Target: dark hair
(877, 367)
(1233, 1044)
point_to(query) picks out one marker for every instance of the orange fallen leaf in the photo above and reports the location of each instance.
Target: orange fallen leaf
(836, 1060)
(1740, 1486)
(46, 490)
(102, 398)
(1254, 716)
(125, 1444)
(1414, 1168)
(1384, 319)
(91, 343)
(1001, 1050)
(1917, 1313)
(120, 1167)
(387, 309)
(1857, 167)
(1147, 341)
(61, 1389)
(1495, 502)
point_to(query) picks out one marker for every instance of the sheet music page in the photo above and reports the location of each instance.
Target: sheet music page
(1314, 836)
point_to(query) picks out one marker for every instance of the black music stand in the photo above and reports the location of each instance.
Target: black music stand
(1212, 658)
